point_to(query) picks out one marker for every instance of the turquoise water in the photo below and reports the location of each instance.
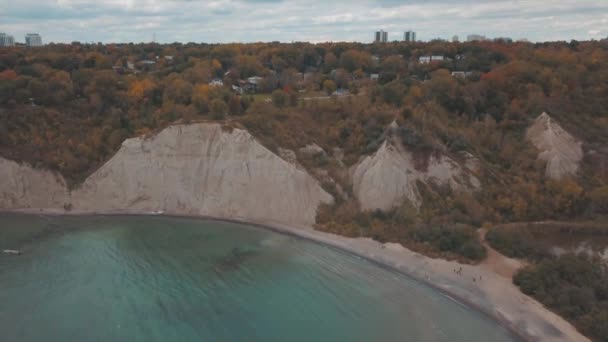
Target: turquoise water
(170, 279)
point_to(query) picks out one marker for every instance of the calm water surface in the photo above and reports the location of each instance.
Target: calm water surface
(169, 279)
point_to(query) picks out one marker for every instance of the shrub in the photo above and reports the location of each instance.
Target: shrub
(516, 243)
(279, 98)
(575, 287)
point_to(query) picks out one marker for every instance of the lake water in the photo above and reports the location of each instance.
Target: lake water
(171, 279)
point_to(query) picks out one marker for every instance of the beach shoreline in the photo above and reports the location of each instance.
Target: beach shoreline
(478, 287)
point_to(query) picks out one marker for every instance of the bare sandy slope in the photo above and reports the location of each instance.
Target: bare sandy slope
(389, 176)
(562, 152)
(486, 287)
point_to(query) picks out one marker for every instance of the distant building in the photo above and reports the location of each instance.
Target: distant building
(461, 74)
(475, 37)
(33, 40)
(429, 59)
(409, 36)
(216, 82)
(6, 40)
(503, 40)
(455, 39)
(381, 37)
(255, 80)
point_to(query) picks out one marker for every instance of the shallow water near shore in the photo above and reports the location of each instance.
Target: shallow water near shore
(160, 279)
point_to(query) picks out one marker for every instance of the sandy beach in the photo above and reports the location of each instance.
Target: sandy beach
(486, 287)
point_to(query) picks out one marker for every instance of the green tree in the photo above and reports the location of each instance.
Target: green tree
(218, 109)
(279, 98)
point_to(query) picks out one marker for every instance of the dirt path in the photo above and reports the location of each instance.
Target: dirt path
(496, 262)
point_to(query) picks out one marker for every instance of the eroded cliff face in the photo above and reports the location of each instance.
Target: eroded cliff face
(196, 169)
(201, 169)
(562, 152)
(387, 178)
(22, 186)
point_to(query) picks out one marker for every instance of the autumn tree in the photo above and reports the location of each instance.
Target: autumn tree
(179, 91)
(200, 98)
(141, 89)
(329, 86)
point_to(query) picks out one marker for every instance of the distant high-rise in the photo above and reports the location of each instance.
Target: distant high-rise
(475, 37)
(409, 36)
(6, 40)
(381, 37)
(455, 39)
(33, 40)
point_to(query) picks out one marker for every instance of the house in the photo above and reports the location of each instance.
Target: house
(216, 82)
(341, 92)
(461, 74)
(255, 80)
(252, 83)
(238, 90)
(429, 59)
(374, 77)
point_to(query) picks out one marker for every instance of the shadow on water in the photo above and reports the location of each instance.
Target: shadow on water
(233, 260)
(21, 232)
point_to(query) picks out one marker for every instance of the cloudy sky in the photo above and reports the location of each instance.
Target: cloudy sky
(300, 20)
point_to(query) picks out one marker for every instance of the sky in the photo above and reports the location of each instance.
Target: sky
(222, 21)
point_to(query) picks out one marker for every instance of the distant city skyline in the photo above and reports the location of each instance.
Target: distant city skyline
(222, 21)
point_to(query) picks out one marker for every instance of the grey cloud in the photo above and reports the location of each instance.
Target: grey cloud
(315, 20)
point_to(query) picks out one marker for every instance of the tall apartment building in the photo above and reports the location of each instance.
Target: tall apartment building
(409, 36)
(33, 40)
(6, 40)
(381, 37)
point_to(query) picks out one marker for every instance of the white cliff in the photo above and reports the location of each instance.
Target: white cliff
(388, 177)
(197, 169)
(200, 169)
(22, 186)
(558, 148)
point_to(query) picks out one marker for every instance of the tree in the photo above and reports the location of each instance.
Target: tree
(218, 109)
(352, 60)
(140, 89)
(200, 98)
(330, 61)
(179, 91)
(279, 98)
(329, 87)
(249, 66)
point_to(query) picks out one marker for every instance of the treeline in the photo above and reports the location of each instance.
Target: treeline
(573, 285)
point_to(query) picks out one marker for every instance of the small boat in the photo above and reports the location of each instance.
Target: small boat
(11, 252)
(158, 212)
